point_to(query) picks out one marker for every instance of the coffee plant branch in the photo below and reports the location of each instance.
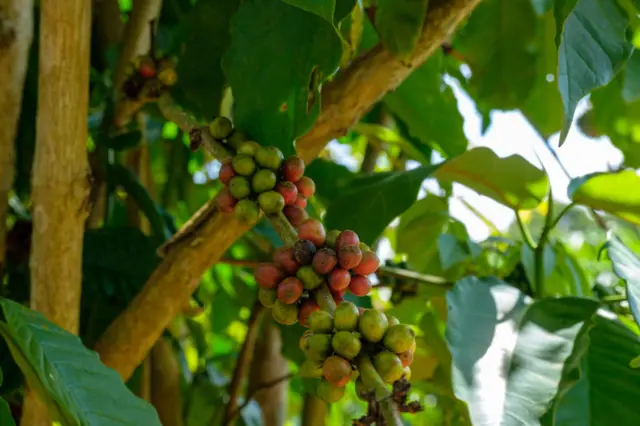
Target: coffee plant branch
(129, 338)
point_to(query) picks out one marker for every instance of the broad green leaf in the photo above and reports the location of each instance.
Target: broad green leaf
(429, 109)
(615, 193)
(419, 229)
(201, 40)
(608, 389)
(322, 8)
(511, 355)
(85, 391)
(631, 82)
(561, 11)
(373, 201)
(496, 44)
(451, 250)
(295, 52)
(399, 23)
(6, 418)
(592, 51)
(512, 181)
(626, 266)
(542, 6)
(331, 178)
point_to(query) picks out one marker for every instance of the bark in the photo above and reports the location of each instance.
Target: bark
(60, 184)
(165, 384)
(16, 33)
(205, 238)
(269, 366)
(314, 411)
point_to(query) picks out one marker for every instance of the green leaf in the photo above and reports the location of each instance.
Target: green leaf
(611, 192)
(418, 230)
(592, 51)
(605, 366)
(386, 135)
(399, 23)
(373, 201)
(202, 39)
(329, 10)
(295, 52)
(84, 390)
(626, 265)
(561, 11)
(541, 6)
(6, 418)
(512, 181)
(496, 44)
(451, 250)
(331, 178)
(631, 82)
(517, 350)
(429, 109)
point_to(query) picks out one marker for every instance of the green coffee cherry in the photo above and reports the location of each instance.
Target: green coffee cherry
(236, 139)
(269, 157)
(311, 369)
(373, 324)
(264, 180)
(316, 346)
(329, 393)
(246, 211)
(243, 165)
(267, 296)
(271, 202)
(346, 344)
(346, 317)
(249, 148)
(239, 187)
(392, 320)
(388, 366)
(220, 127)
(310, 278)
(284, 314)
(320, 322)
(399, 338)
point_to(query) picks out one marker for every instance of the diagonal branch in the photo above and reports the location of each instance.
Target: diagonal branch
(203, 242)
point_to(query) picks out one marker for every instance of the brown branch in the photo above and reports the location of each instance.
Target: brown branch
(165, 384)
(243, 363)
(16, 33)
(241, 262)
(60, 184)
(208, 235)
(314, 411)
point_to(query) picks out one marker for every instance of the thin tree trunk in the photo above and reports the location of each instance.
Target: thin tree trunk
(165, 384)
(314, 412)
(269, 366)
(60, 182)
(16, 33)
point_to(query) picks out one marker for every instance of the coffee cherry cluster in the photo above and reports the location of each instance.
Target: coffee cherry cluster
(333, 342)
(259, 177)
(149, 77)
(338, 259)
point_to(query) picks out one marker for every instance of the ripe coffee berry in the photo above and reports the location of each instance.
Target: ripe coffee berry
(360, 285)
(301, 201)
(307, 307)
(347, 238)
(225, 201)
(339, 279)
(226, 173)
(306, 186)
(295, 214)
(289, 290)
(349, 256)
(312, 230)
(293, 169)
(303, 252)
(268, 275)
(324, 261)
(283, 256)
(368, 265)
(288, 191)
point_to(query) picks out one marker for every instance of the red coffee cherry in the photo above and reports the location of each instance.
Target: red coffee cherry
(225, 201)
(293, 169)
(312, 230)
(339, 279)
(283, 256)
(307, 307)
(349, 256)
(368, 265)
(306, 186)
(295, 214)
(301, 201)
(347, 238)
(268, 275)
(226, 173)
(290, 290)
(288, 191)
(360, 285)
(324, 261)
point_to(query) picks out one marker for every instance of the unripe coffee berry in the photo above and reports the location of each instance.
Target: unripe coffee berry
(310, 278)
(349, 256)
(346, 344)
(324, 261)
(332, 237)
(306, 186)
(307, 307)
(269, 157)
(271, 202)
(330, 393)
(347, 238)
(220, 127)
(360, 285)
(373, 325)
(249, 148)
(267, 296)
(239, 187)
(346, 317)
(293, 169)
(283, 257)
(226, 173)
(406, 358)
(339, 279)
(247, 212)
(399, 338)
(392, 320)
(321, 322)
(284, 314)
(225, 201)
(263, 180)
(289, 290)
(295, 214)
(300, 201)
(268, 275)
(312, 230)
(243, 165)
(388, 366)
(236, 139)
(288, 191)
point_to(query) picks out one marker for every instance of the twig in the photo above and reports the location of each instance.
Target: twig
(614, 298)
(539, 250)
(262, 387)
(372, 380)
(526, 235)
(244, 360)
(133, 333)
(241, 262)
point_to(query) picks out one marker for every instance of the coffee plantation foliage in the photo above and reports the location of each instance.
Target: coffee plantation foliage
(351, 277)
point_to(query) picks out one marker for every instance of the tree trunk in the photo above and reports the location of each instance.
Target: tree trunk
(165, 384)
(269, 366)
(16, 33)
(60, 185)
(314, 412)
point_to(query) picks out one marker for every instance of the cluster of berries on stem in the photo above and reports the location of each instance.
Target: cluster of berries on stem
(148, 77)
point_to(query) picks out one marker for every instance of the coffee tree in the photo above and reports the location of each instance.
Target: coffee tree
(213, 213)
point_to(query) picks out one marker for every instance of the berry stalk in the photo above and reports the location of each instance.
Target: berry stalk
(372, 380)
